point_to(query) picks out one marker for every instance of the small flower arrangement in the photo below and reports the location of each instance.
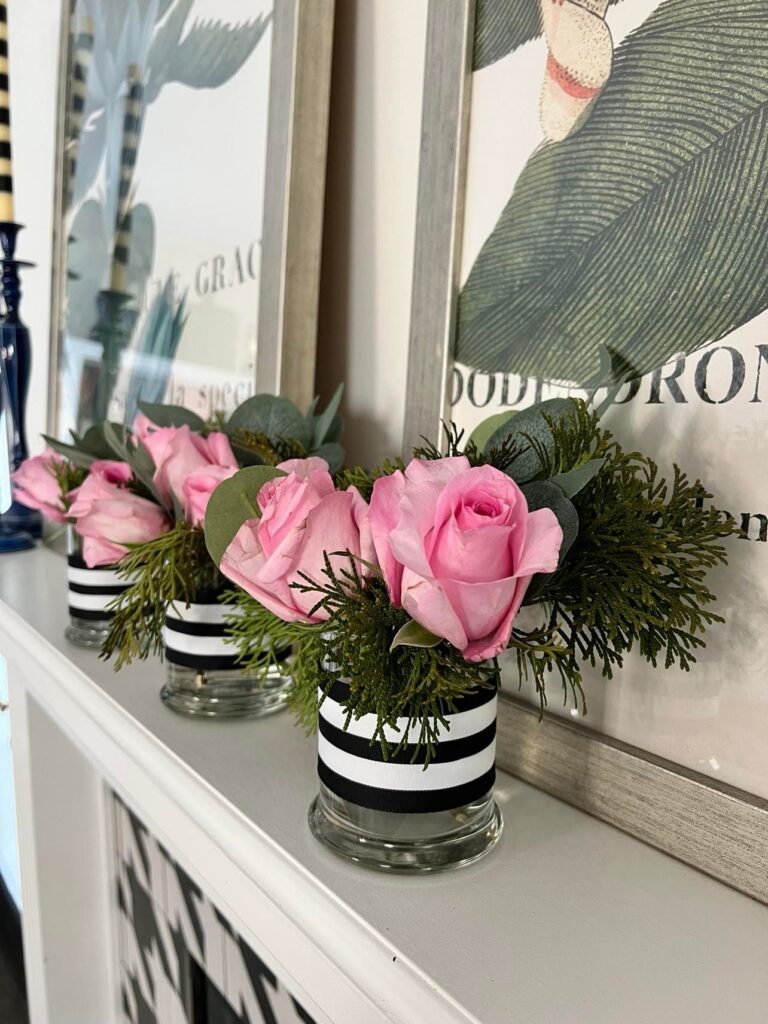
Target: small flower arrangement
(406, 583)
(136, 498)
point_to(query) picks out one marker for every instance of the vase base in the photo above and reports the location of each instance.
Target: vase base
(227, 694)
(462, 836)
(85, 633)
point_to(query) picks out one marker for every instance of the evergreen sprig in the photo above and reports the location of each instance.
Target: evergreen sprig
(270, 451)
(261, 638)
(364, 479)
(419, 684)
(636, 575)
(173, 567)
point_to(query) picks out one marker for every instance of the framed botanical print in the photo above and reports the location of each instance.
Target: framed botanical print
(191, 176)
(591, 208)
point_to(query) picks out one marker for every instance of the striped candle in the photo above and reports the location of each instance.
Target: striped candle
(81, 65)
(6, 169)
(130, 146)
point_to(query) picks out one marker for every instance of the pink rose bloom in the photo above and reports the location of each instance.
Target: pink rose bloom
(303, 517)
(178, 454)
(108, 516)
(35, 486)
(458, 548)
(198, 488)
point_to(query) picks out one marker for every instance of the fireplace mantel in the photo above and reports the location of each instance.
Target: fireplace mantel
(568, 920)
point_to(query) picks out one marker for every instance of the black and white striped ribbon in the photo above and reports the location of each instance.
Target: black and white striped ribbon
(461, 771)
(92, 590)
(196, 637)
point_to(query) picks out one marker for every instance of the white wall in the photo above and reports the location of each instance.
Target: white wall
(370, 217)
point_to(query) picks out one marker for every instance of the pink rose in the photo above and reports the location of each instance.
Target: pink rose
(458, 548)
(198, 488)
(108, 517)
(35, 485)
(303, 517)
(178, 454)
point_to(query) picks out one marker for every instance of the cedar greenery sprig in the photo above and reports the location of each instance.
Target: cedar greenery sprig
(421, 684)
(173, 567)
(260, 636)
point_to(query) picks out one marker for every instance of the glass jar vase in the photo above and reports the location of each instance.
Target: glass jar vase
(203, 675)
(90, 592)
(394, 813)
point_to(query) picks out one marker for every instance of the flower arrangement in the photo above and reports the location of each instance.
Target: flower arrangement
(407, 582)
(136, 498)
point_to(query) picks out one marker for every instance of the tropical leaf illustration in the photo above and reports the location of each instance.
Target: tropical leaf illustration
(644, 232)
(503, 25)
(209, 55)
(156, 350)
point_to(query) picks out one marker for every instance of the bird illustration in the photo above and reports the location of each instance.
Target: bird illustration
(579, 58)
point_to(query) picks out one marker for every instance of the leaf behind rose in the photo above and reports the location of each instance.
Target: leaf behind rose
(275, 417)
(232, 504)
(546, 494)
(574, 480)
(171, 416)
(528, 426)
(413, 634)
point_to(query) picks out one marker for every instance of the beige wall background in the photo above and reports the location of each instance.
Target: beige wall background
(370, 211)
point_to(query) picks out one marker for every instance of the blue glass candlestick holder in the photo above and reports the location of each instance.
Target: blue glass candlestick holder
(19, 526)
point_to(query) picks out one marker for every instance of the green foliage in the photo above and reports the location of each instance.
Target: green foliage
(643, 231)
(68, 476)
(636, 575)
(364, 479)
(232, 504)
(174, 567)
(261, 638)
(421, 684)
(172, 416)
(275, 418)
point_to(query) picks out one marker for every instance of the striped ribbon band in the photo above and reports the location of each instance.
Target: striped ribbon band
(197, 637)
(355, 769)
(92, 590)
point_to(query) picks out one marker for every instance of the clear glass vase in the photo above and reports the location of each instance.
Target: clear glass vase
(203, 677)
(90, 592)
(396, 814)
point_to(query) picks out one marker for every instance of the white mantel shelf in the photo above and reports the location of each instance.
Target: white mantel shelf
(569, 921)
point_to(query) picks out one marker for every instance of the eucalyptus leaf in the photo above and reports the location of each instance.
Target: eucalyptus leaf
(277, 418)
(333, 454)
(68, 451)
(93, 442)
(324, 422)
(574, 480)
(413, 634)
(530, 423)
(483, 431)
(546, 494)
(246, 456)
(232, 504)
(643, 230)
(171, 416)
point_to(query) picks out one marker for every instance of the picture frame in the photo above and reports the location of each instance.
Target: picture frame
(715, 827)
(301, 39)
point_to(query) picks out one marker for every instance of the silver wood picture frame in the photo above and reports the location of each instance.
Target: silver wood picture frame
(293, 201)
(717, 828)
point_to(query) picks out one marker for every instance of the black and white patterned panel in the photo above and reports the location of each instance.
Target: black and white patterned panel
(181, 962)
